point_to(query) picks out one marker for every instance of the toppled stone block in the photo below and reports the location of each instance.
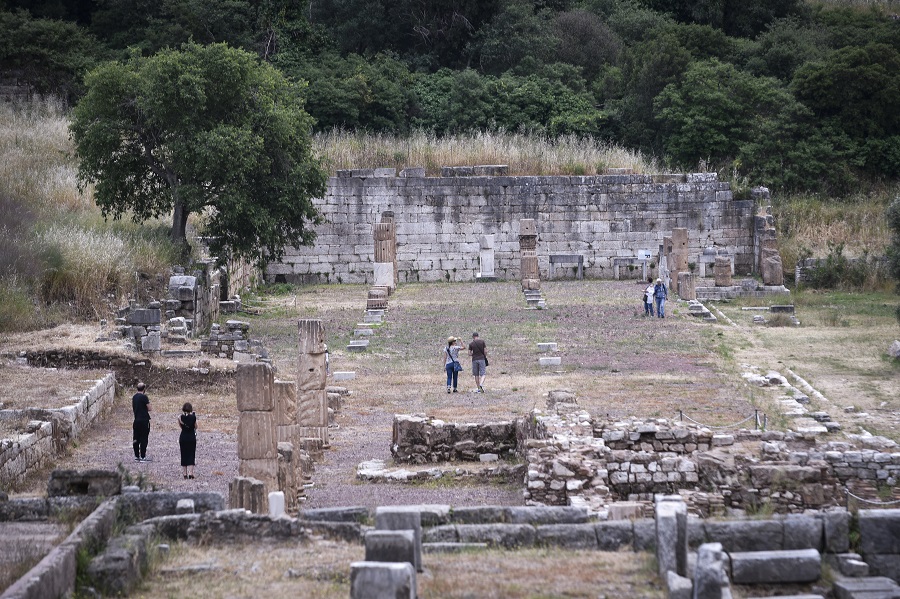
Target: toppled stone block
(879, 531)
(88, 482)
(391, 546)
(711, 573)
(402, 518)
(550, 361)
(766, 567)
(856, 588)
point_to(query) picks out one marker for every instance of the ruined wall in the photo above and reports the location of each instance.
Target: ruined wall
(50, 431)
(427, 440)
(439, 221)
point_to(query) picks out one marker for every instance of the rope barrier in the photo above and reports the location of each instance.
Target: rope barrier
(872, 501)
(754, 416)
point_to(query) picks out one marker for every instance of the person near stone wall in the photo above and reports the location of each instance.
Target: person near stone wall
(451, 362)
(648, 297)
(140, 405)
(478, 351)
(661, 294)
(187, 441)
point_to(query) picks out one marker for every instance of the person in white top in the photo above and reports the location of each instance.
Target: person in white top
(648, 298)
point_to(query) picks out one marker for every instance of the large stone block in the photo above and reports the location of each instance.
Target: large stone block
(509, 536)
(746, 535)
(311, 372)
(310, 337)
(380, 580)
(803, 532)
(257, 436)
(614, 535)
(312, 407)
(285, 403)
(254, 386)
(87, 482)
(265, 471)
(836, 525)
(402, 518)
(671, 537)
(879, 531)
(144, 316)
(874, 587)
(391, 546)
(772, 567)
(711, 573)
(569, 536)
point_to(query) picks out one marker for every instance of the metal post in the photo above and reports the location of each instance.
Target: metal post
(756, 419)
(681, 415)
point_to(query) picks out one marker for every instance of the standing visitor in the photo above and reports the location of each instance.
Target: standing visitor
(451, 363)
(661, 295)
(478, 351)
(140, 405)
(648, 297)
(187, 440)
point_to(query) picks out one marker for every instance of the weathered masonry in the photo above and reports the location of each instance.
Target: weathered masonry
(440, 222)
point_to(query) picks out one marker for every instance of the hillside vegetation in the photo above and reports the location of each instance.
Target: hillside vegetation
(798, 96)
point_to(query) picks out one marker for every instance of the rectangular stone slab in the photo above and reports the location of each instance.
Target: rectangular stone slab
(377, 580)
(391, 546)
(766, 567)
(254, 386)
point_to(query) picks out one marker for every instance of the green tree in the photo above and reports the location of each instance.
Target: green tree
(202, 129)
(712, 111)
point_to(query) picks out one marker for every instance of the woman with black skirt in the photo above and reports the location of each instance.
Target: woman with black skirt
(187, 441)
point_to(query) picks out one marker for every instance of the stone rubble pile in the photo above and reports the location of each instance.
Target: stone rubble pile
(234, 343)
(421, 440)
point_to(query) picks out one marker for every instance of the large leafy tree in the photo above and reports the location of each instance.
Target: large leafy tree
(202, 129)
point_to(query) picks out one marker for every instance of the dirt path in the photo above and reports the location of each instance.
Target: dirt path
(618, 362)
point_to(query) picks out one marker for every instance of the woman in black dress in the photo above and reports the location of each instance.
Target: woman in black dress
(187, 441)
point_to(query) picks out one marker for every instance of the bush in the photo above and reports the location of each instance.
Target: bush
(837, 271)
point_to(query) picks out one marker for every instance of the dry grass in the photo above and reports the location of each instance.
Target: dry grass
(26, 387)
(24, 545)
(525, 154)
(322, 570)
(840, 349)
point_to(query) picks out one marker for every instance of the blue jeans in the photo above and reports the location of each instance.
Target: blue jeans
(452, 375)
(648, 309)
(661, 307)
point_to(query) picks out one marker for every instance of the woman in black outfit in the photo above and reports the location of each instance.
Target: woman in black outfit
(187, 441)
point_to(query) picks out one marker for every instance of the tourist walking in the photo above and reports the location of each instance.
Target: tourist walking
(140, 405)
(478, 351)
(451, 363)
(661, 294)
(187, 440)
(648, 297)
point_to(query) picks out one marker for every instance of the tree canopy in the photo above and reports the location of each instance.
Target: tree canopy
(203, 129)
(823, 79)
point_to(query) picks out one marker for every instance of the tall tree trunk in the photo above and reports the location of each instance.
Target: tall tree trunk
(179, 226)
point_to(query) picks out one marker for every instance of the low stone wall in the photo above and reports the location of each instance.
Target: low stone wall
(50, 432)
(129, 369)
(422, 440)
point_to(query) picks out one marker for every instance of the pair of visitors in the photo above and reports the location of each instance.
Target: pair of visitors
(478, 352)
(187, 440)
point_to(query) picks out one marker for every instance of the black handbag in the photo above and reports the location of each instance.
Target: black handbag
(486, 363)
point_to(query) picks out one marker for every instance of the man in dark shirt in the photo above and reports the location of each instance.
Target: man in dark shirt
(478, 351)
(140, 405)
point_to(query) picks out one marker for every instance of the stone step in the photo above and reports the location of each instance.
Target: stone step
(358, 345)
(874, 587)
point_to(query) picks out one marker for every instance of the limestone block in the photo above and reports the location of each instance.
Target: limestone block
(527, 226)
(312, 407)
(549, 361)
(803, 532)
(687, 286)
(885, 564)
(311, 372)
(549, 346)
(486, 262)
(879, 531)
(285, 402)
(254, 385)
(144, 316)
(569, 536)
(413, 172)
(615, 535)
(380, 580)
(711, 574)
(276, 504)
(671, 537)
(257, 436)
(871, 587)
(391, 546)
(772, 270)
(344, 375)
(184, 506)
(265, 472)
(151, 342)
(86, 482)
(722, 271)
(384, 274)
(402, 518)
(766, 567)
(486, 242)
(311, 336)
(679, 587)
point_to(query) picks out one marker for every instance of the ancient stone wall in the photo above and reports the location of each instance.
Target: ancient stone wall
(440, 221)
(50, 431)
(426, 440)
